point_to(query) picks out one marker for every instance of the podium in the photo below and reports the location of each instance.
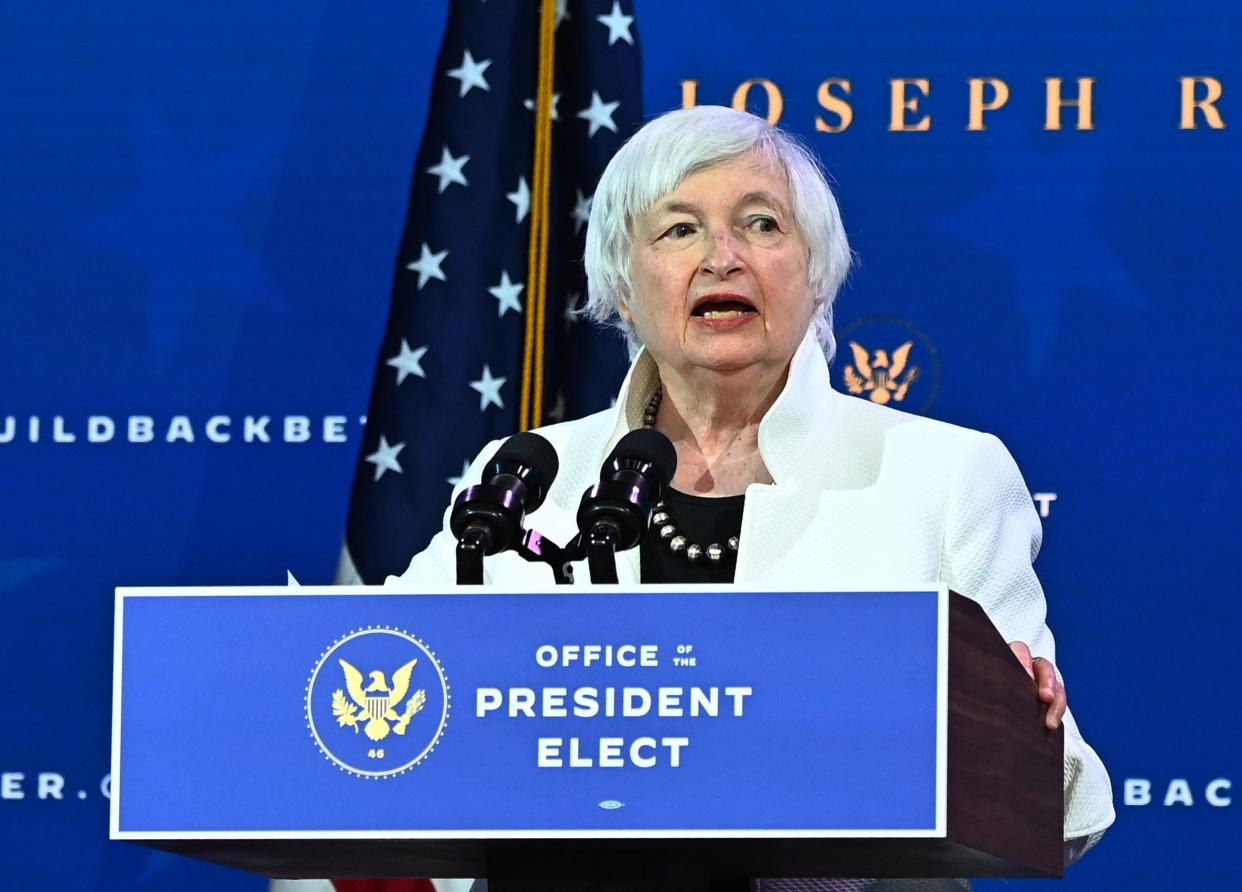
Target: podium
(580, 737)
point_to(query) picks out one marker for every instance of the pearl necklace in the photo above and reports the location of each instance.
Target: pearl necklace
(674, 539)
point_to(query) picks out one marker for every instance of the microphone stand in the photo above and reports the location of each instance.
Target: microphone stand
(599, 547)
(539, 549)
(471, 547)
(534, 547)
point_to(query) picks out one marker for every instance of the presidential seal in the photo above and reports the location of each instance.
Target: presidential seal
(377, 702)
(889, 362)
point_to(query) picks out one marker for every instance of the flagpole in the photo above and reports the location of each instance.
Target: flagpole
(530, 412)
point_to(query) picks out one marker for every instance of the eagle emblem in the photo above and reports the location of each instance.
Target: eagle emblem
(879, 375)
(376, 703)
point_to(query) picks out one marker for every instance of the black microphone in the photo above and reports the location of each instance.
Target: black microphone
(615, 512)
(487, 517)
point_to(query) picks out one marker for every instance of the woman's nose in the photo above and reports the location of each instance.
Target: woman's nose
(721, 256)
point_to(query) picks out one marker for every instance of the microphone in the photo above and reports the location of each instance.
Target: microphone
(487, 517)
(615, 512)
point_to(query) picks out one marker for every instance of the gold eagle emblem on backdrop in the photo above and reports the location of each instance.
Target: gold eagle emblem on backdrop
(377, 703)
(879, 375)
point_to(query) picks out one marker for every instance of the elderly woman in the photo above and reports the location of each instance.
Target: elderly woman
(716, 245)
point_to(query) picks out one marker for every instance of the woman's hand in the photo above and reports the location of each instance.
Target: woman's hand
(1044, 674)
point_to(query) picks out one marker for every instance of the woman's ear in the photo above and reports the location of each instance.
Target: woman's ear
(623, 310)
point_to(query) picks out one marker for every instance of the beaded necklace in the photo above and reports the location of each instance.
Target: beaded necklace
(674, 540)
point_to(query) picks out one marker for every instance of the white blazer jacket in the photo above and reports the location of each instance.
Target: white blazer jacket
(863, 495)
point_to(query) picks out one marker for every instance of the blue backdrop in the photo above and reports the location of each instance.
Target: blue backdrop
(199, 209)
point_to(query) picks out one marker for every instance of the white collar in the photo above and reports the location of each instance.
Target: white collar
(795, 427)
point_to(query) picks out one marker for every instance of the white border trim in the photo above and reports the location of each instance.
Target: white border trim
(942, 708)
(114, 799)
(268, 591)
(537, 834)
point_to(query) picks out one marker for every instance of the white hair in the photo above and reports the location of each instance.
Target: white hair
(672, 147)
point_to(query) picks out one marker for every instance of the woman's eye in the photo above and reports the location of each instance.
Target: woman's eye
(680, 230)
(764, 224)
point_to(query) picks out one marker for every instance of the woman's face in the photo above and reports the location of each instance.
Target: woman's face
(720, 271)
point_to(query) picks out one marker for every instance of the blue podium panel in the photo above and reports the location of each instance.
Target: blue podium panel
(664, 711)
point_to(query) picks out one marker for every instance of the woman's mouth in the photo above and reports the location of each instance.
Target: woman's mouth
(723, 308)
(722, 314)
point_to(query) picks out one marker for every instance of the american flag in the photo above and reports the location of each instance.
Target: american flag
(529, 102)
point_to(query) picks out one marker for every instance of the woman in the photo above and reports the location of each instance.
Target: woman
(715, 244)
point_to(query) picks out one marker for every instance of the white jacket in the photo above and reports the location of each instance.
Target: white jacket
(863, 495)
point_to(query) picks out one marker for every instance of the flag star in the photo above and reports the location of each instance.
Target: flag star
(520, 198)
(449, 169)
(428, 266)
(599, 114)
(529, 104)
(488, 389)
(562, 12)
(570, 314)
(385, 457)
(507, 294)
(465, 469)
(582, 211)
(408, 362)
(557, 412)
(618, 25)
(470, 73)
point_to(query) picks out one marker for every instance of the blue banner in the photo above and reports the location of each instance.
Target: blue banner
(626, 713)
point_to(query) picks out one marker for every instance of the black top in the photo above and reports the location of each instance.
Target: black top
(701, 520)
